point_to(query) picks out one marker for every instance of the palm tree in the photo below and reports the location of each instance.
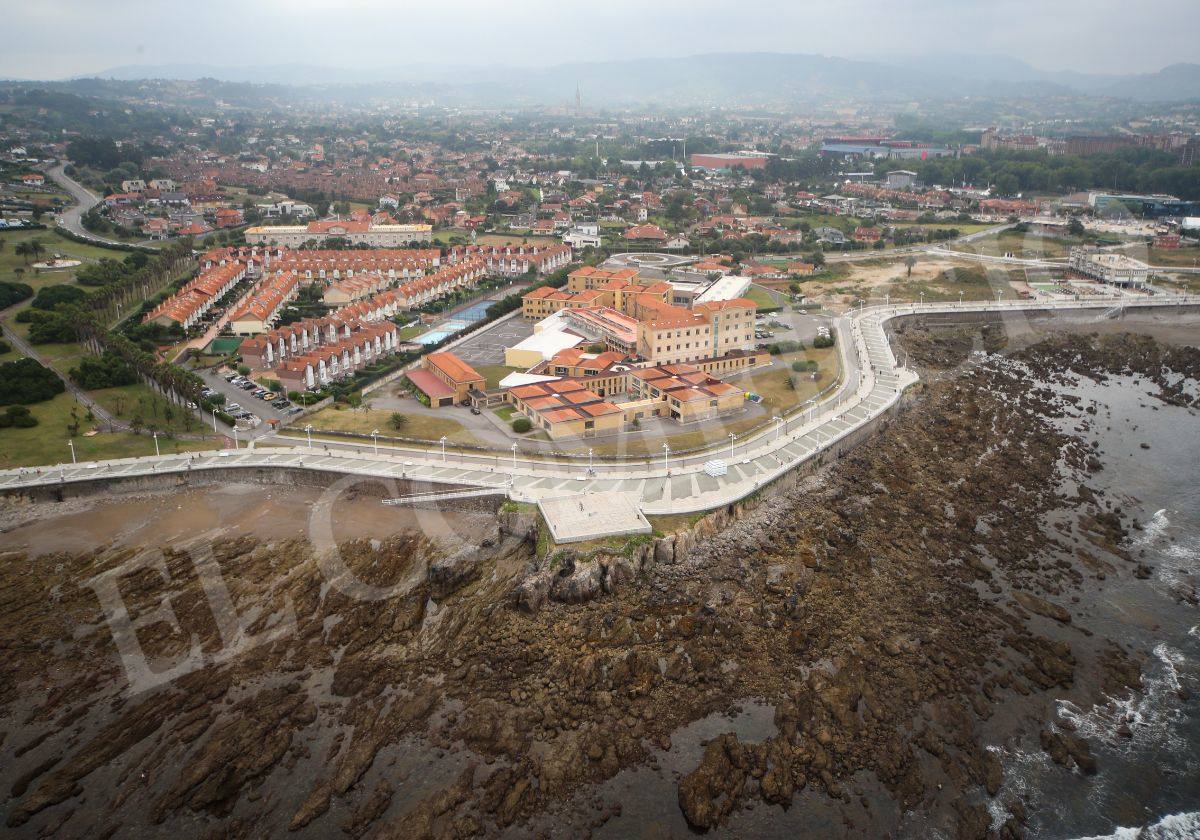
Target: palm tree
(909, 262)
(36, 248)
(22, 250)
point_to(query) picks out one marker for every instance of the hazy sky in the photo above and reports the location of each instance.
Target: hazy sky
(48, 39)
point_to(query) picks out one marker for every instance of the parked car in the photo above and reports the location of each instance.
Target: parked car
(231, 407)
(475, 410)
(269, 395)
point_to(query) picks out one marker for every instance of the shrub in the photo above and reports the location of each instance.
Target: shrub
(4, 347)
(11, 293)
(28, 381)
(17, 416)
(397, 421)
(50, 297)
(780, 348)
(50, 328)
(823, 341)
(521, 425)
(107, 371)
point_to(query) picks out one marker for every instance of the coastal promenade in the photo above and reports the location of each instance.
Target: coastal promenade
(659, 484)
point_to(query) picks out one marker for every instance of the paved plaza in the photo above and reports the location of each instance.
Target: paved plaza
(606, 513)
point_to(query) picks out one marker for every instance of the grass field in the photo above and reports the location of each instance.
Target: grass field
(761, 297)
(14, 267)
(46, 443)
(127, 401)
(492, 374)
(1024, 245)
(363, 421)
(1186, 257)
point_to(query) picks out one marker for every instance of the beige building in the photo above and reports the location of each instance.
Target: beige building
(354, 232)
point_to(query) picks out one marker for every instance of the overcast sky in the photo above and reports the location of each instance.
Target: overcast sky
(47, 39)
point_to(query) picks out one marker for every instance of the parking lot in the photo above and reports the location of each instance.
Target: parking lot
(259, 408)
(487, 347)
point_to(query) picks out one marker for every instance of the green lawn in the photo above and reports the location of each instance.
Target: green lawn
(46, 443)
(364, 421)
(761, 297)
(127, 401)
(505, 412)
(17, 269)
(492, 374)
(1187, 257)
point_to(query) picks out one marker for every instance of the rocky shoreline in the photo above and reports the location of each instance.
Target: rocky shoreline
(890, 610)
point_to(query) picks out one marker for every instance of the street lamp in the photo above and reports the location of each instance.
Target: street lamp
(666, 457)
(235, 440)
(308, 429)
(922, 294)
(860, 305)
(375, 439)
(887, 298)
(71, 444)
(778, 426)
(999, 294)
(155, 436)
(443, 442)
(589, 460)
(732, 438)
(514, 452)
(960, 294)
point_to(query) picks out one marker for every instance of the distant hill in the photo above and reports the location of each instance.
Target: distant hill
(716, 79)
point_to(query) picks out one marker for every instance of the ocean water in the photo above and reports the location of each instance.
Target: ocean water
(1148, 784)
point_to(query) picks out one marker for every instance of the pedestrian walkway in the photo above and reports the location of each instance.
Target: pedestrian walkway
(657, 485)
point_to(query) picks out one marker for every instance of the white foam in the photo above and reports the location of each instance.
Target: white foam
(1155, 531)
(1152, 715)
(1023, 771)
(1185, 826)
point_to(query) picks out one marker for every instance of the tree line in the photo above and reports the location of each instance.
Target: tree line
(1011, 172)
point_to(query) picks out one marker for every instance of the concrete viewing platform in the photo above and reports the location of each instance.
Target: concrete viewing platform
(589, 516)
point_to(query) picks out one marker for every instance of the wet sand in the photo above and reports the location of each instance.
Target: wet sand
(266, 512)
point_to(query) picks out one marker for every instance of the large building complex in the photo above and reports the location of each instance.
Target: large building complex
(728, 160)
(355, 232)
(1107, 267)
(603, 394)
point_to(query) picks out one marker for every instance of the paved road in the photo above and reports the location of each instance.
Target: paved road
(660, 485)
(71, 219)
(80, 396)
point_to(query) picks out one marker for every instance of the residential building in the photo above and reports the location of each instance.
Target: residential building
(1107, 267)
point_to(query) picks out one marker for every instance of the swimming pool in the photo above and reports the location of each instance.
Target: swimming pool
(443, 331)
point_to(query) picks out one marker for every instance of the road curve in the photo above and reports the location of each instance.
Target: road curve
(659, 485)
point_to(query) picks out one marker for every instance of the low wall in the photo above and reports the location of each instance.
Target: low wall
(280, 476)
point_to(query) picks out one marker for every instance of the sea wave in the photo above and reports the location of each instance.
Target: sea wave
(1152, 716)
(1184, 826)
(1155, 531)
